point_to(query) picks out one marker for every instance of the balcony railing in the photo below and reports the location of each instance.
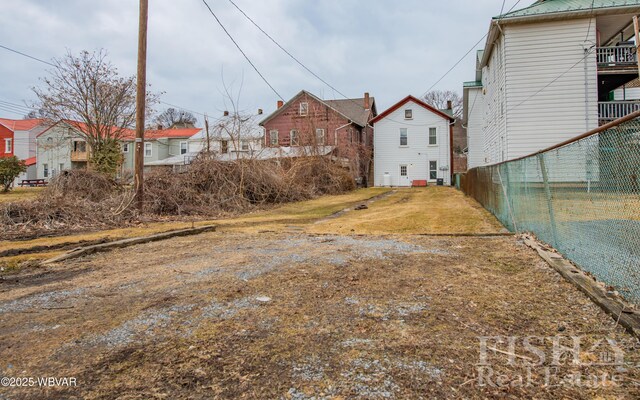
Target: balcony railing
(79, 156)
(612, 110)
(618, 56)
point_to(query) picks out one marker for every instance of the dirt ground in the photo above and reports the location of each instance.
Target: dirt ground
(288, 313)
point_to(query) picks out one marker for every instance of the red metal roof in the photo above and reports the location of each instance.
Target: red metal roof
(30, 161)
(130, 134)
(415, 100)
(21, 124)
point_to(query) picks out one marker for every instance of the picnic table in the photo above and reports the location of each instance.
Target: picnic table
(33, 182)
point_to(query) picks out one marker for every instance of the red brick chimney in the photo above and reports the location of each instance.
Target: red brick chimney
(226, 113)
(449, 105)
(280, 104)
(366, 101)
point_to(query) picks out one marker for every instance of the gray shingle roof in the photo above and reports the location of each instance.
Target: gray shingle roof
(352, 109)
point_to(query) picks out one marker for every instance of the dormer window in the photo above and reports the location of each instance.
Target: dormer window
(304, 109)
(408, 114)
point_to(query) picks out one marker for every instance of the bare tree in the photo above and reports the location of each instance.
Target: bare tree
(440, 98)
(87, 93)
(171, 116)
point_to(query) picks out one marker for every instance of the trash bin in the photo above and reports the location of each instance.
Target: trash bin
(440, 182)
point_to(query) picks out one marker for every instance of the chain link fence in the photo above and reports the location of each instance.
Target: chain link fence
(583, 198)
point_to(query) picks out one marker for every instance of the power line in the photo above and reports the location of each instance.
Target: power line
(591, 18)
(28, 56)
(470, 50)
(241, 51)
(53, 65)
(287, 52)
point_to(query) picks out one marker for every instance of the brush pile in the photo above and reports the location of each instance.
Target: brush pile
(79, 199)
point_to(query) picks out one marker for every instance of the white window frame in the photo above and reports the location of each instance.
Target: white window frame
(186, 147)
(406, 170)
(408, 113)
(148, 146)
(433, 170)
(61, 166)
(45, 170)
(294, 134)
(435, 137)
(404, 131)
(224, 147)
(8, 145)
(125, 147)
(273, 134)
(320, 136)
(303, 109)
(244, 145)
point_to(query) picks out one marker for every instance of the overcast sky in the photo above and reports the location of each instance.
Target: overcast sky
(388, 48)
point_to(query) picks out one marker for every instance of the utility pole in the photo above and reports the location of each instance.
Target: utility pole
(141, 102)
(206, 127)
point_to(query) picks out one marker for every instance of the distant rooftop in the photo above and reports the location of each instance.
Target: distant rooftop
(542, 7)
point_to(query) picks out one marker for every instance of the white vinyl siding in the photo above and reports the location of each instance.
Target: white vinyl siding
(389, 155)
(536, 54)
(494, 125)
(475, 136)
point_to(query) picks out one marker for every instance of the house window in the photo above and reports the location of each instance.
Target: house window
(224, 146)
(273, 138)
(183, 148)
(304, 109)
(61, 166)
(320, 136)
(433, 170)
(125, 147)
(433, 136)
(244, 145)
(295, 138)
(8, 146)
(350, 135)
(148, 149)
(403, 170)
(408, 114)
(403, 137)
(45, 170)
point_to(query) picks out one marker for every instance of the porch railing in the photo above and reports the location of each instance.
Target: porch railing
(612, 110)
(616, 56)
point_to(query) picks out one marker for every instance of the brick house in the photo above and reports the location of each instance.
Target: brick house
(338, 127)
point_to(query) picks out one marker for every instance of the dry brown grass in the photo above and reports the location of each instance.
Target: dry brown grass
(277, 219)
(20, 194)
(432, 210)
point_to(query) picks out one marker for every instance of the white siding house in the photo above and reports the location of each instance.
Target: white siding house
(547, 72)
(473, 122)
(412, 142)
